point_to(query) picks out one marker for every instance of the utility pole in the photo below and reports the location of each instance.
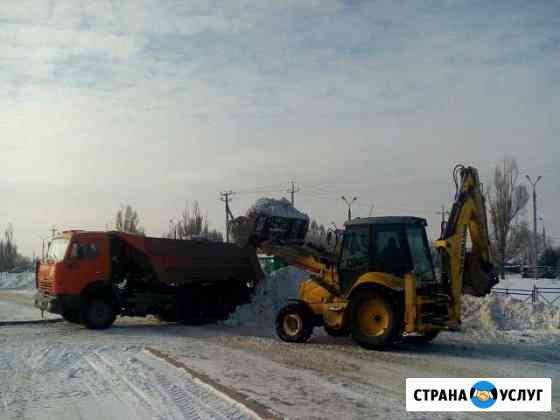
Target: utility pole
(443, 214)
(349, 204)
(292, 191)
(371, 210)
(535, 245)
(543, 233)
(225, 197)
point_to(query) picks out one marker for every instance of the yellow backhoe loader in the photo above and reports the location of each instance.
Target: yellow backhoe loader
(379, 284)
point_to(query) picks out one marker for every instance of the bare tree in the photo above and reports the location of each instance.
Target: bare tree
(192, 223)
(9, 256)
(127, 220)
(506, 199)
(316, 234)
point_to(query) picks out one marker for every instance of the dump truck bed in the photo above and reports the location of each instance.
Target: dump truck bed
(179, 262)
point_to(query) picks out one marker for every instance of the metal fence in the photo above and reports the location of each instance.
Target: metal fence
(548, 295)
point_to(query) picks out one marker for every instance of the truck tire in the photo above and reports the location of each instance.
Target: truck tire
(99, 314)
(195, 310)
(333, 332)
(294, 323)
(373, 320)
(72, 316)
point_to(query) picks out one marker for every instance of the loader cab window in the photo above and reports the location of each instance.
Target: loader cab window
(420, 252)
(355, 255)
(391, 251)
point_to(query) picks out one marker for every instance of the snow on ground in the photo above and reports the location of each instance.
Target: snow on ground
(69, 381)
(62, 370)
(12, 311)
(518, 282)
(17, 280)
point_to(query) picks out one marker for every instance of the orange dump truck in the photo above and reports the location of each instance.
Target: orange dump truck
(92, 277)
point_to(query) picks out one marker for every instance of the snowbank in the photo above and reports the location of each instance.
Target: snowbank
(270, 296)
(498, 312)
(17, 280)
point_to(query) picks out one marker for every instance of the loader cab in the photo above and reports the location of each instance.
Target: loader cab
(392, 245)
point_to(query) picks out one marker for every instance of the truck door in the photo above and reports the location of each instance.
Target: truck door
(89, 262)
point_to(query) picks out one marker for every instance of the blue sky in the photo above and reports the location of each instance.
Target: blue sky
(155, 103)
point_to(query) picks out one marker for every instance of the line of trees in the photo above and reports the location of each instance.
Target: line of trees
(192, 223)
(10, 258)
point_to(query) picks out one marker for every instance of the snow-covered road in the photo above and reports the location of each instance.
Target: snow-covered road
(60, 370)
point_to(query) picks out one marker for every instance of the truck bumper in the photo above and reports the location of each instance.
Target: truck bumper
(56, 304)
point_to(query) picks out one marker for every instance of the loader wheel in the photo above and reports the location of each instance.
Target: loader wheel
(333, 332)
(99, 314)
(294, 323)
(373, 320)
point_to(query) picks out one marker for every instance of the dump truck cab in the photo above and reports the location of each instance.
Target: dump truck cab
(75, 262)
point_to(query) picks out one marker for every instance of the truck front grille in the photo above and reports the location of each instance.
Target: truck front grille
(46, 286)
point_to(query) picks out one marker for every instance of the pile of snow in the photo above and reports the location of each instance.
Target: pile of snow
(271, 295)
(17, 280)
(274, 207)
(500, 312)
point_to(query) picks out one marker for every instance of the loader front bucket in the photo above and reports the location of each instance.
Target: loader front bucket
(270, 220)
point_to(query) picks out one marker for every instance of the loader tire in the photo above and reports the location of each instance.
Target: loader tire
(374, 320)
(294, 323)
(333, 332)
(99, 314)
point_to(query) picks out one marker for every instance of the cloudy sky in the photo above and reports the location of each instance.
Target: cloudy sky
(156, 103)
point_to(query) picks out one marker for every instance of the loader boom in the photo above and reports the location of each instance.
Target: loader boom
(463, 271)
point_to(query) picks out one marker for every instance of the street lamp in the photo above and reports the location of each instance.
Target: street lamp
(535, 251)
(349, 204)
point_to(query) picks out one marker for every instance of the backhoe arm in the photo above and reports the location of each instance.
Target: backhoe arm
(466, 272)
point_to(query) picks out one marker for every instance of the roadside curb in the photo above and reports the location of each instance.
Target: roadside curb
(255, 408)
(35, 321)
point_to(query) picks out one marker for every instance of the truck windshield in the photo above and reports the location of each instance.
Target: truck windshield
(57, 249)
(420, 253)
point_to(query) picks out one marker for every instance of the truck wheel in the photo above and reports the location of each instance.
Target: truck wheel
(72, 317)
(373, 320)
(294, 323)
(333, 332)
(99, 314)
(196, 310)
